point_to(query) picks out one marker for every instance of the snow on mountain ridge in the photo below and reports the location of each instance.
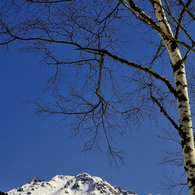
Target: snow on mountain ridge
(82, 184)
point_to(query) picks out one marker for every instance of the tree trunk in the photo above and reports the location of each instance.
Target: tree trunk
(185, 117)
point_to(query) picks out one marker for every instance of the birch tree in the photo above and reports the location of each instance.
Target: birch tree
(114, 92)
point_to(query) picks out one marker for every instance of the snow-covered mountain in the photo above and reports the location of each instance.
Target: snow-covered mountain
(82, 184)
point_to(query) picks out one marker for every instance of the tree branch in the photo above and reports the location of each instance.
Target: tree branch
(47, 1)
(165, 113)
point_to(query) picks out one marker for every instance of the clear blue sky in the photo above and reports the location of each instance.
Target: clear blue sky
(33, 148)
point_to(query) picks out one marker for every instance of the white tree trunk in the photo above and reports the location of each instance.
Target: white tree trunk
(186, 130)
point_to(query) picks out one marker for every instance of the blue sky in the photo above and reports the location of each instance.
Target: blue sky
(30, 147)
(33, 148)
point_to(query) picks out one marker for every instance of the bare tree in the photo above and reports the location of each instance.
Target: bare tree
(111, 93)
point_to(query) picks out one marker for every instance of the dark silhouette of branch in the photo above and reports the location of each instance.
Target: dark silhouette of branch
(48, 1)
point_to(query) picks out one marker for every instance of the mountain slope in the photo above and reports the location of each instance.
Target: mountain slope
(82, 184)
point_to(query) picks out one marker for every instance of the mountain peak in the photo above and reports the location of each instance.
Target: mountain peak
(81, 184)
(83, 175)
(35, 179)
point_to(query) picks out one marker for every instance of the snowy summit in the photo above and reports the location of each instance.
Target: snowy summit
(82, 184)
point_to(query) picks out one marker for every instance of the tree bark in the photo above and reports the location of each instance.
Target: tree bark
(185, 117)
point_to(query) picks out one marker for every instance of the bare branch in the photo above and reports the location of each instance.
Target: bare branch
(172, 183)
(47, 1)
(165, 113)
(181, 18)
